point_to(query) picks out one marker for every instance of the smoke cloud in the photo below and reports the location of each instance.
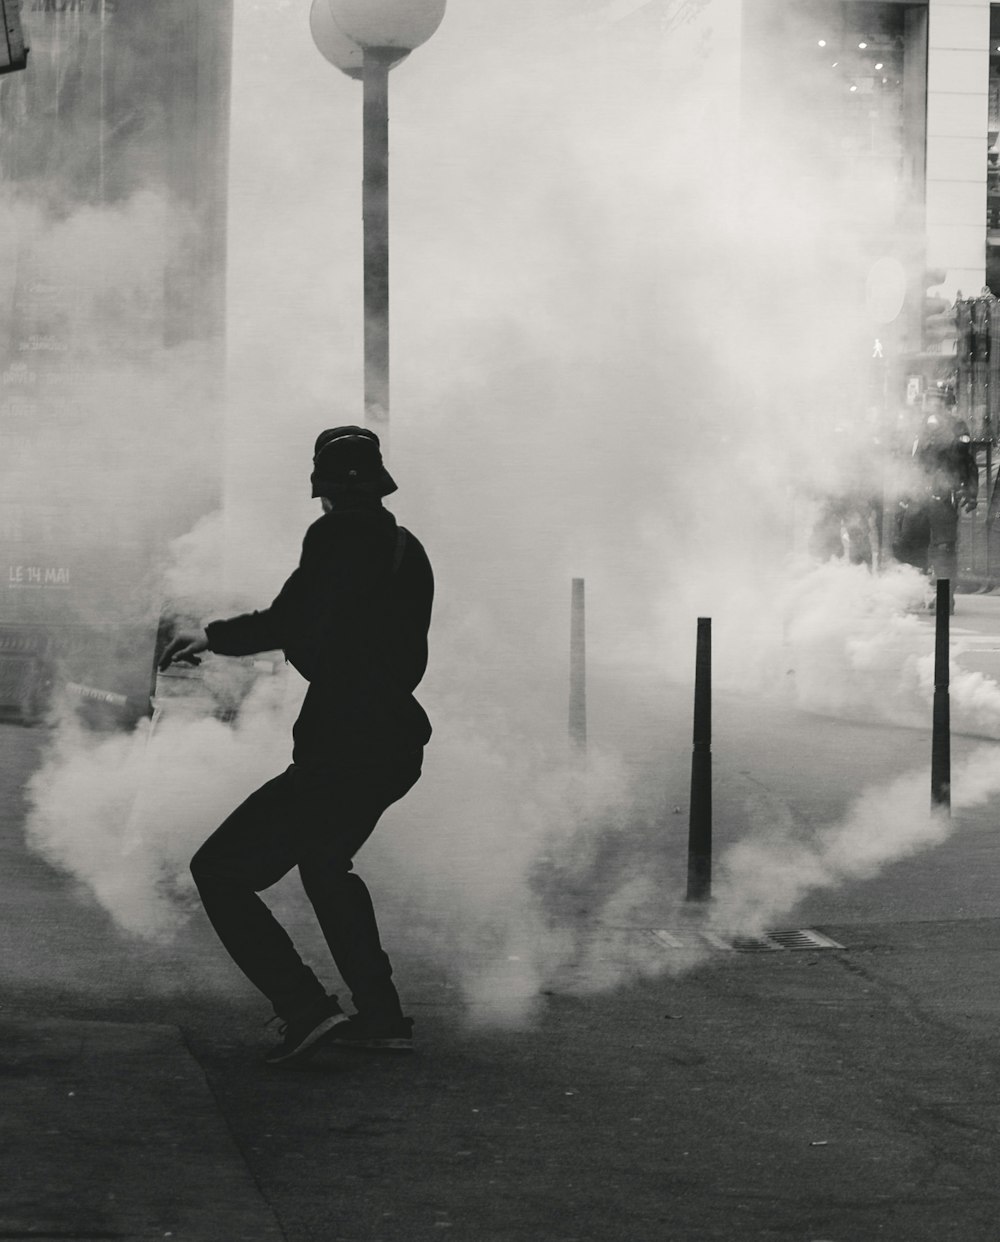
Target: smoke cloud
(610, 361)
(767, 875)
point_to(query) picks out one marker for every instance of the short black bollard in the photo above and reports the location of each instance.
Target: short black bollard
(941, 729)
(699, 886)
(578, 669)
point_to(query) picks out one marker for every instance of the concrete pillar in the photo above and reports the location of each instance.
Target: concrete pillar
(958, 71)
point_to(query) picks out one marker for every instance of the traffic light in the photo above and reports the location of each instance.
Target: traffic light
(13, 53)
(939, 322)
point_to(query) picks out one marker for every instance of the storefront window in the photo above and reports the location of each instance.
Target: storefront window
(834, 82)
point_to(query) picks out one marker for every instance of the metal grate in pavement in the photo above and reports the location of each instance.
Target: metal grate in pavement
(805, 938)
(754, 944)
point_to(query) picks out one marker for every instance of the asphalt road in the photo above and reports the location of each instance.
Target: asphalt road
(827, 1095)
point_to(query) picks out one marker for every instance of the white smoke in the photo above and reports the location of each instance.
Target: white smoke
(125, 812)
(765, 876)
(601, 369)
(861, 646)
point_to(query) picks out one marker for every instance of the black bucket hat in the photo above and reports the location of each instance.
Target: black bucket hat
(349, 457)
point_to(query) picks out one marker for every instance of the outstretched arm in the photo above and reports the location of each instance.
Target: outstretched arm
(184, 648)
(242, 635)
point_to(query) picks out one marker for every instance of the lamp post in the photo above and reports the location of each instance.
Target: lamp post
(365, 39)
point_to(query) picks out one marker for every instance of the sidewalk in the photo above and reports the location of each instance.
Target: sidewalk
(814, 1096)
(829, 1095)
(110, 1131)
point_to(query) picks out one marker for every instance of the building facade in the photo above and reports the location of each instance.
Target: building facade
(901, 90)
(880, 121)
(113, 174)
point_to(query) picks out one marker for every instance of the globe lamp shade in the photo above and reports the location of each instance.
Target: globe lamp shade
(338, 49)
(388, 23)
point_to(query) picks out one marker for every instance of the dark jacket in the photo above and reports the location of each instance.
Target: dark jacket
(944, 453)
(353, 619)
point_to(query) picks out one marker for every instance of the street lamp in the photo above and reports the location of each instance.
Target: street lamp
(365, 39)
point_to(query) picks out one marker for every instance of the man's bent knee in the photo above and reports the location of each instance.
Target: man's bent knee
(202, 870)
(213, 872)
(318, 871)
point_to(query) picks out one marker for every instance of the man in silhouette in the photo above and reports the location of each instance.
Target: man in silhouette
(353, 619)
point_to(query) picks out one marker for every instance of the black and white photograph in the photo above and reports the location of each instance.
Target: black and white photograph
(500, 620)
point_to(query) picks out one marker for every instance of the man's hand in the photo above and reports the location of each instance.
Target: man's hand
(184, 648)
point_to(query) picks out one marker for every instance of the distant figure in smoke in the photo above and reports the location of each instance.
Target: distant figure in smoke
(946, 480)
(848, 519)
(353, 619)
(848, 524)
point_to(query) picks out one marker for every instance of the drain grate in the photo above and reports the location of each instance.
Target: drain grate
(755, 944)
(805, 938)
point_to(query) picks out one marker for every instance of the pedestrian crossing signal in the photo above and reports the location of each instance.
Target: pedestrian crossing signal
(940, 319)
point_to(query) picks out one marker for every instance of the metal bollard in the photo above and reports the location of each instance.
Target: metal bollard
(699, 886)
(578, 668)
(941, 727)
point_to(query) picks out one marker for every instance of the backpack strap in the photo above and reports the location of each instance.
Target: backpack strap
(398, 552)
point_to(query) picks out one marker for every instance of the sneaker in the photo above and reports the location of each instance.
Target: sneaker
(374, 1034)
(302, 1035)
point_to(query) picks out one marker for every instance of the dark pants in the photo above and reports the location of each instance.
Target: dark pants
(942, 555)
(928, 538)
(316, 823)
(913, 534)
